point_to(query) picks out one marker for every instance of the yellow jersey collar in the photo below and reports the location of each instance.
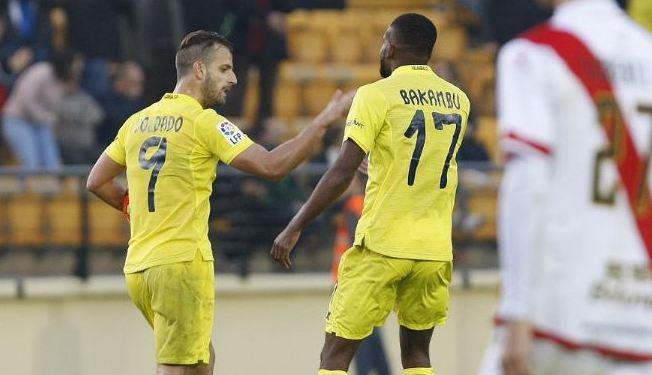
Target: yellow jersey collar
(182, 97)
(412, 69)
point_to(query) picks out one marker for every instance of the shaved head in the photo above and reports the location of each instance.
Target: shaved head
(198, 46)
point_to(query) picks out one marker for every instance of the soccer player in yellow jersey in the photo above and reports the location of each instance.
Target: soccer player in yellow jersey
(410, 124)
(170, 151)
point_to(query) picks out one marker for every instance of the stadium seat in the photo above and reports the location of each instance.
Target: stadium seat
(348, 37)
(478, 76)
(363, 74)
(108, 227)
(251, 102)
(63, 214)
(484, 202)
(4, 229)
(346, 48)
(25, 216)
(45, 185)
(10, 185)
(287, 99)
(316, 95)
(451, 43)
(308, 46)
(487, 133)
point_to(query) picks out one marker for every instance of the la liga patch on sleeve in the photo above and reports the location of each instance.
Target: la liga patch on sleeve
(230, 132)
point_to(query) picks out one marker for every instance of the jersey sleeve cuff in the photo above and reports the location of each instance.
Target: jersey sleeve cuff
(114, 157)
(237, 150)
(358, 142)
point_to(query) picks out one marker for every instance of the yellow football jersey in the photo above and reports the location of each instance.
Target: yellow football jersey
(411, 124)
(171, 150)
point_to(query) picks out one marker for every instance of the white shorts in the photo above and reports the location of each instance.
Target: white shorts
(548, 358)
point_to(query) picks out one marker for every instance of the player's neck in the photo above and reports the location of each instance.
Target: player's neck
(186, 87)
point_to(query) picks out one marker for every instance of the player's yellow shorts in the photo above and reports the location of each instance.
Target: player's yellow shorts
(178, 301)
(371, 285)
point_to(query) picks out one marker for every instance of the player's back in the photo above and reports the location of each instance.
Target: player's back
(171, 150)
(412, 125)
(593, 257)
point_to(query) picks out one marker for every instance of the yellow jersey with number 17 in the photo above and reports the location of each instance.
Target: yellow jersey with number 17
(411, 124)
(170, 150)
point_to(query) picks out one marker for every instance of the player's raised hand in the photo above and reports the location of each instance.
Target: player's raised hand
(515, 359)
(283, 245)
(337, 107)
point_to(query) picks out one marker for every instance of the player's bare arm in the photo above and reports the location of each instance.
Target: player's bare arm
(102, 182)
(515, 361)
(277, 163)
(336, 180)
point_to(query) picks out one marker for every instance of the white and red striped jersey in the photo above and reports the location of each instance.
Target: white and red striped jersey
(575, 115)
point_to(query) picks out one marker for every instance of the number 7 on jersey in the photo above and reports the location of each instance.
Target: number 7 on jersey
(418, 125)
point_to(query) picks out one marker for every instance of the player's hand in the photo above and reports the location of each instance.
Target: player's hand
(337, 107)
(283, 245)
(515, 359)
(125, 206)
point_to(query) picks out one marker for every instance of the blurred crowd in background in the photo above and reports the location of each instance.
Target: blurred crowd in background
(72, 71)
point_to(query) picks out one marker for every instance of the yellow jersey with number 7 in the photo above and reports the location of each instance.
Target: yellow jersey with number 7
(411, 124)
(171, 150)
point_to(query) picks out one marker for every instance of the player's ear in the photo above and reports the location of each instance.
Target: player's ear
(198, 70)
(389, 51)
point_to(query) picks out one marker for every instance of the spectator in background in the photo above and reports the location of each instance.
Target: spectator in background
(124, 99)
(257, 30)
(94, 32)
(31, 24)
(77, 117)
(14, 58)
(30, 112)
(641, 11)
(159, 29)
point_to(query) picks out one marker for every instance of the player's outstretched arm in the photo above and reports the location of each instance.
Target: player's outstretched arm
(102, 182)
(280, 161)
(336, 180)
(522, 191)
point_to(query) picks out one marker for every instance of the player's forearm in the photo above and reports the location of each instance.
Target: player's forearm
(111, 192)
(522, 191)
(287, 156)
(330, 187)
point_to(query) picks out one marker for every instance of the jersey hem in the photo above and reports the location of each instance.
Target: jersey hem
(569, 344)
(403, 254)
(142, 267)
